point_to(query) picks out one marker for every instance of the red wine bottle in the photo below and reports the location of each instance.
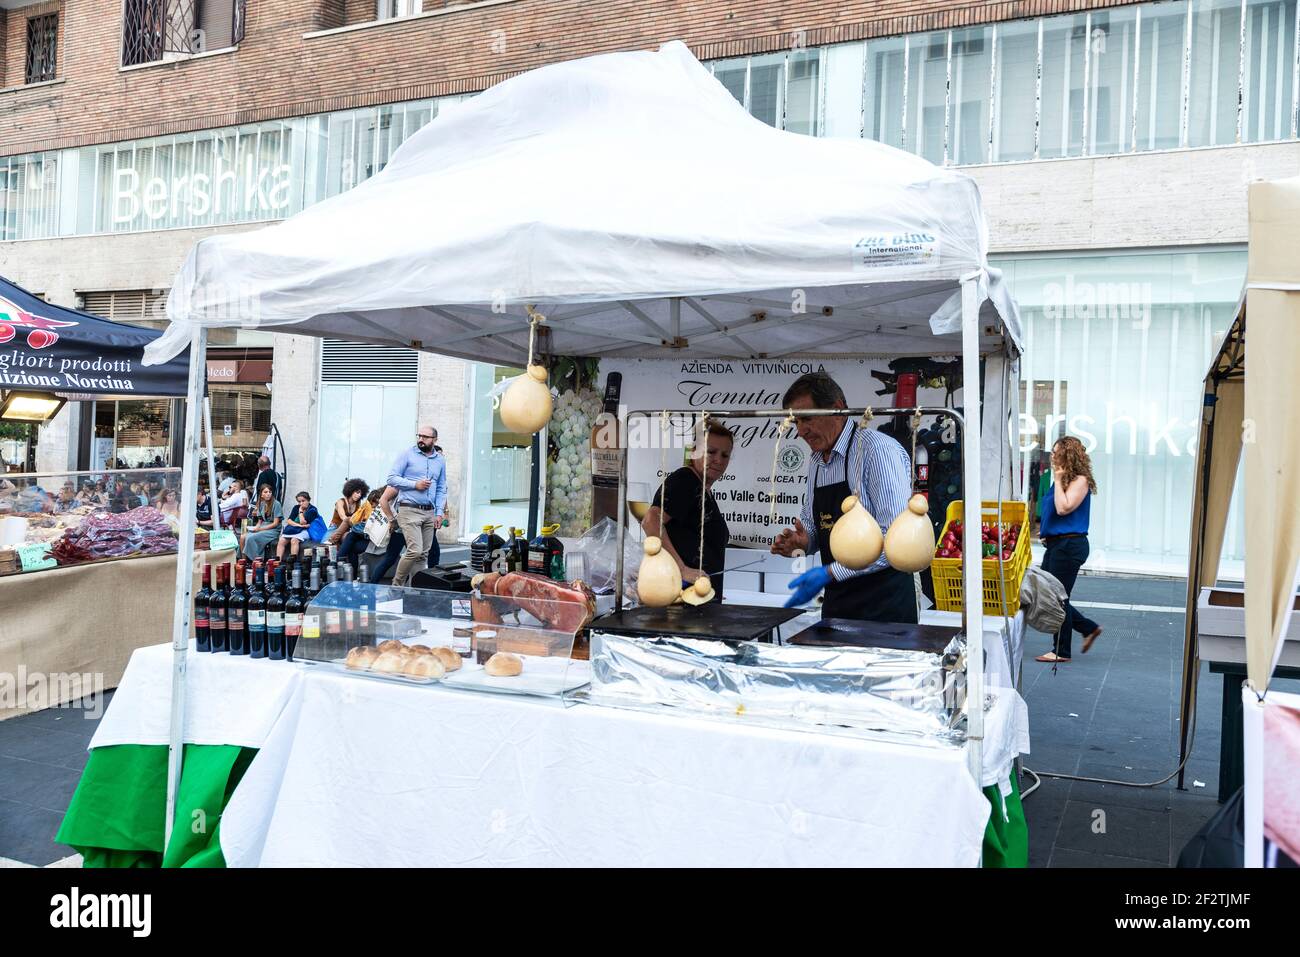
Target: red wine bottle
(202, 637)
(275, 618)
(333, 616)
(293, 609)
(256, 615)
(311, 615)
(217, 612)
(237, 617)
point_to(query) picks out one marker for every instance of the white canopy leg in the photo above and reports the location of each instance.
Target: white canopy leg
(212, 463)
(971, 548)
(185, 571)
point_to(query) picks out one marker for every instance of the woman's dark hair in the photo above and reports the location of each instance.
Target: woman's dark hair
(824, 391)
(306, 495)
(352, 486)
(375, 495)
(720, 430)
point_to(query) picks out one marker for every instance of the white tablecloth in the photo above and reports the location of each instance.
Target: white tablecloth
(364, 773)
(357, 771)
(231, 700)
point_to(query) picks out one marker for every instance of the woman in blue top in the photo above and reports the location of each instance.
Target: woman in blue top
(297, 526)
(1064, 530)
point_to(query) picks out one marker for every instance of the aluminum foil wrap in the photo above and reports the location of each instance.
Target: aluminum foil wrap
(878, 689)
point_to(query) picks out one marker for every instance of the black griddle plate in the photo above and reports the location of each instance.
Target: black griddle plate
(877, 634)
(724, 622)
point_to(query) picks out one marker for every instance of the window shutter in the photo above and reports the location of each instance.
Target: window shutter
(343, 361)
(137, 307)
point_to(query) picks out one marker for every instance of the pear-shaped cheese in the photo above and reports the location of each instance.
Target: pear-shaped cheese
(699, 593)
(855, 539)
(658, 583)
(909, 543)
(526, 405)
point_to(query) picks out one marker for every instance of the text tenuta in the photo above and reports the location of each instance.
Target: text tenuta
(75, 910)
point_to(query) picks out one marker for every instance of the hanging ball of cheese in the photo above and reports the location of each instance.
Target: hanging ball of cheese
(909, 543)
(855, 539)
(526, 405)
(658, 582)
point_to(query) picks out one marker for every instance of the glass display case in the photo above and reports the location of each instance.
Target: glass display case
(471, 641)
(54, 519)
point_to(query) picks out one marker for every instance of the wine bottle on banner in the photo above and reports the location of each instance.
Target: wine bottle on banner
(237, 617)
(217, 612)
(293, 609)
(607, 454)
(275, 618)
(202, 636)
(256, 615)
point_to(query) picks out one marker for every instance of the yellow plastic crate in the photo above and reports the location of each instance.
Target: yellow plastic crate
(947, 572)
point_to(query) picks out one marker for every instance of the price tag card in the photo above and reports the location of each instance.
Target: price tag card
(34, 556)
(222, 538)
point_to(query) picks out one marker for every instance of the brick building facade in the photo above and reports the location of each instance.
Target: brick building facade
(1111, 141)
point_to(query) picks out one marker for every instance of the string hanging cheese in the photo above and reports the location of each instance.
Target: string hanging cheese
(856, 541)
(909, 543)
(702, 589)
(786, 425)
(658, 582)
(526, 405)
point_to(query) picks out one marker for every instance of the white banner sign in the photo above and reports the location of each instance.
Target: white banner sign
(745, 494)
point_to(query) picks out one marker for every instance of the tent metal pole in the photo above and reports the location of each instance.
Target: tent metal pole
(212, 461)
(972, 566)
(184, 573)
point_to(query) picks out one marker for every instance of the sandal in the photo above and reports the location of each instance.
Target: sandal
(1087, 642)
(1050, 658)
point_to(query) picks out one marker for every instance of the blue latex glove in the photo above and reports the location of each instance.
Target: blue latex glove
(807, 585)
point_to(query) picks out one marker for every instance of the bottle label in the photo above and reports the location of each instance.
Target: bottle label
(201, 622)
(537, 561)
(235, 619)
(310, 626)
(293, 624)
(332, 619)
(275, 619)
(256, 619)
(606, 465)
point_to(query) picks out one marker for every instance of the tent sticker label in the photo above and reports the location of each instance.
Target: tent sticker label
(895, 249)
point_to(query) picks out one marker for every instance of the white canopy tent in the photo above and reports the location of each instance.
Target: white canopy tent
(646, 214)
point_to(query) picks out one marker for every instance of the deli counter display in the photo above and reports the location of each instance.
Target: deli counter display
(56, 519)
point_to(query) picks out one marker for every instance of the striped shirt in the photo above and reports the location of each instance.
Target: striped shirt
(879, 474)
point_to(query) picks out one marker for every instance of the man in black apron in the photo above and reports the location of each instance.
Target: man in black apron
(847, 460)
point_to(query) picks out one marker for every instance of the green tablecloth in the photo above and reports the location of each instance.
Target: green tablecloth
(116, 815)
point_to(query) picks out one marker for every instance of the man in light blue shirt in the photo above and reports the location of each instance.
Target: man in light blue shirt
(420, 477)
(847, 459)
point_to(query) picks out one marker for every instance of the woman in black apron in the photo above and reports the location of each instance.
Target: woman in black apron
(885, 595)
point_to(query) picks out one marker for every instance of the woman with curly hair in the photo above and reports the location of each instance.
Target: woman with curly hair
(1064, 512)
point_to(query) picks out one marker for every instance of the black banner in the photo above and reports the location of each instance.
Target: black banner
(47, 348)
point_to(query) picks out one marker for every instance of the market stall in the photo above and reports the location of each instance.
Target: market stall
(1250, 393)
(78, 540)
(627, 207)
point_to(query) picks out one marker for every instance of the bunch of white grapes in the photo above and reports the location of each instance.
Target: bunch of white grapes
(568, 479)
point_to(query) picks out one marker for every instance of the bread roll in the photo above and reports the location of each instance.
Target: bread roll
(420, 649)
(390, 662)
(392, 644)
(450, 660)
(361, 657)
(504, 665)
(423, 666)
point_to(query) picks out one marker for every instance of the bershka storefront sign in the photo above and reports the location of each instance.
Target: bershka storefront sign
(253, 192)
(44, 347)
(755, 504)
